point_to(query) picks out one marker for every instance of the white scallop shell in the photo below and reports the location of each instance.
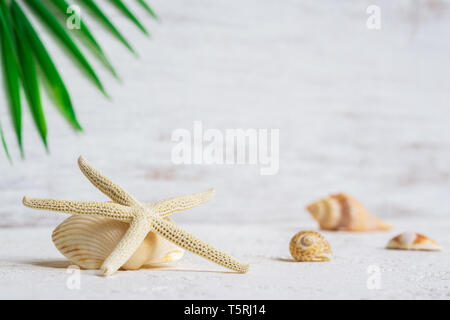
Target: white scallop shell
(88, 241)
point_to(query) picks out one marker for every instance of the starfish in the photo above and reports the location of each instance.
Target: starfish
(142, 218)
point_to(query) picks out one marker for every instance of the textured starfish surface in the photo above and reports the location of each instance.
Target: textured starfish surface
(142, 218)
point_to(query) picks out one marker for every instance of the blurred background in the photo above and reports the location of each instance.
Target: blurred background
(361, 111)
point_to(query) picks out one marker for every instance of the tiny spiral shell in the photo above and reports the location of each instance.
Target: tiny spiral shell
(310, 246)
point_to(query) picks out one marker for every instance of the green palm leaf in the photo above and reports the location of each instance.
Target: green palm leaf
(11, 72)
(26, 61)
(57, 87)
(122, 7)
(107, 23)
(63, 6)
(149, 9)
(48, 18)
(5, 147)
(29, 78)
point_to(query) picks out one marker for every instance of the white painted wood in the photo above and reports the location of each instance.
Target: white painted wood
(362, 111)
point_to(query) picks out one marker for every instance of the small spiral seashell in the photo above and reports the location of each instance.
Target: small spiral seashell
(310, 246)
(413, 241)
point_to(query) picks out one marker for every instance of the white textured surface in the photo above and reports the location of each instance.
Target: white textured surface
(30, 267)
(360, 111)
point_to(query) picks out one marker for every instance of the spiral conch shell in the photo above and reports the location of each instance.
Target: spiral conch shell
(88, 241)
(343, 212)
(413, 241)
(310, 246)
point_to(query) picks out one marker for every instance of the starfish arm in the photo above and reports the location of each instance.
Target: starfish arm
(191, 243)
(105, 184)
(169, 206)
(126, 247)
(104, 209)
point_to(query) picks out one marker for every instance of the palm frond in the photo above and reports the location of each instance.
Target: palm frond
(11, 71)
(149, 9)
(23, 54)
(125, 10)
(5, 146)
(63, 7)
(57, 87)
(49, 19)
(29, 79)
(107, 23)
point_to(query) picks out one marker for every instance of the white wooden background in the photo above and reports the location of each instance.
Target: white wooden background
(362, 111)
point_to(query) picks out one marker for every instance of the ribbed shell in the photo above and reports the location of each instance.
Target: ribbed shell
(310, 246)
(88, 241)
